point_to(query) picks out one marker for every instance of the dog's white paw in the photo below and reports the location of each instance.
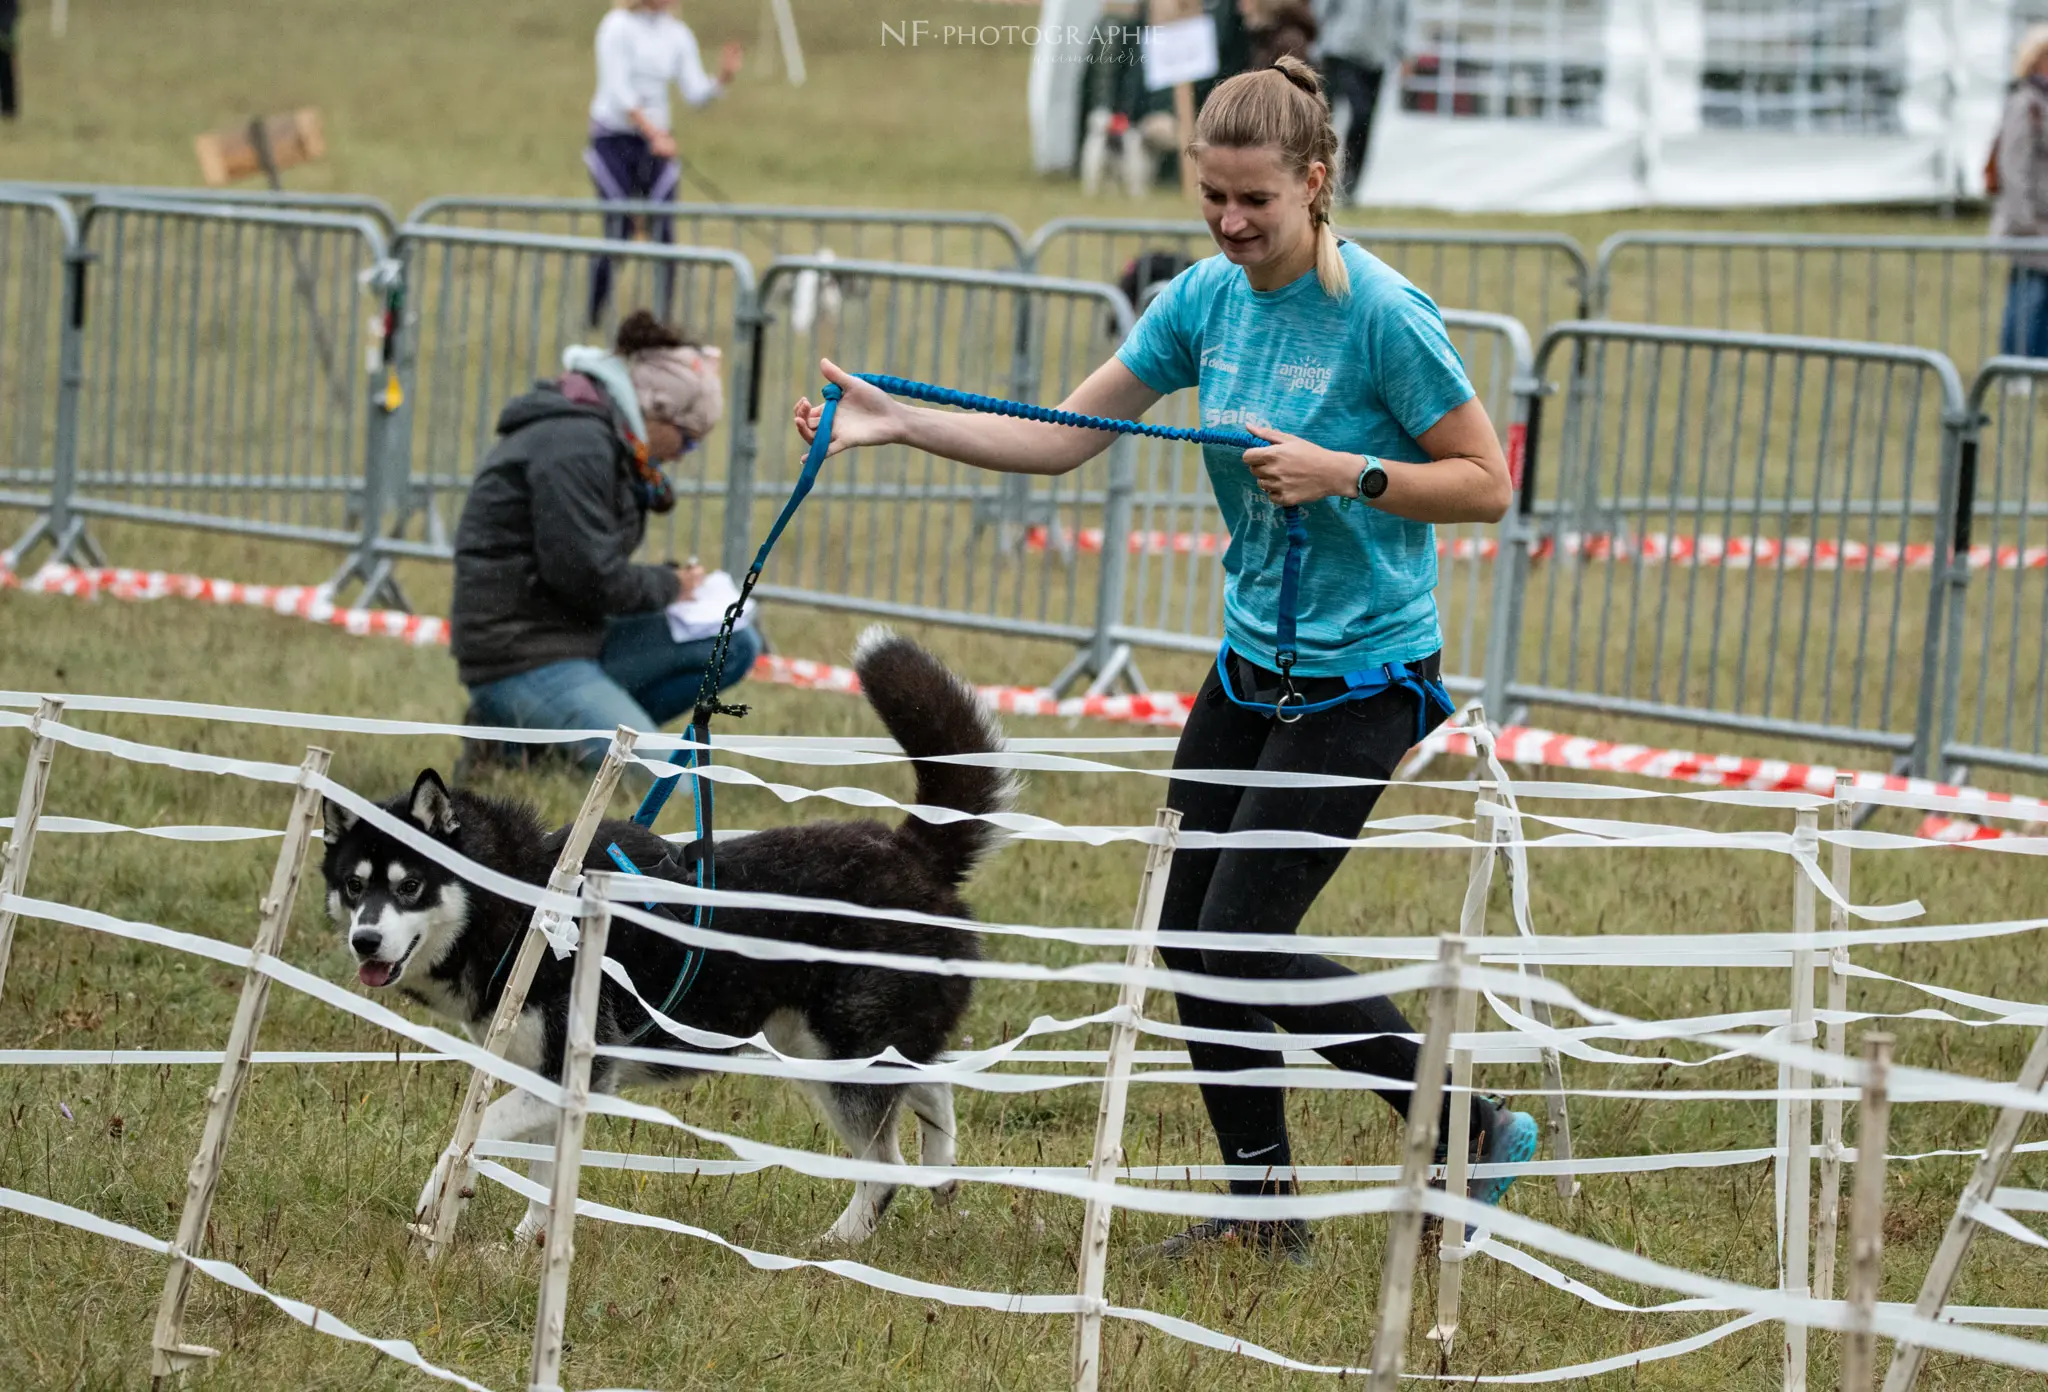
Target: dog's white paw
(944, 1194)
(850, 1231)
(423, 1211)
(532, 1228)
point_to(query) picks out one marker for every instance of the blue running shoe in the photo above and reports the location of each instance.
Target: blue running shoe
(1510, 1140)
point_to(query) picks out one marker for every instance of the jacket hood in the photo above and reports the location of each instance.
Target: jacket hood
(545, 402)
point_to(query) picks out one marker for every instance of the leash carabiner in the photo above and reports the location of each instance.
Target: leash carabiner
(1290, 694)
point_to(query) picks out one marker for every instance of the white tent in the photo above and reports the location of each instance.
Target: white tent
(1577, 105)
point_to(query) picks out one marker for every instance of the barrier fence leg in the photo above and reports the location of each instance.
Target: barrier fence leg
(1962, 1225)
(1831, 1110)
(1450, 1253)
(1116, 1086)
(551, 1312)
(1404, 1231)
(169, 1352)
(1866, 1214)
(1798, 1171)
(454, 1178)
(28, 810)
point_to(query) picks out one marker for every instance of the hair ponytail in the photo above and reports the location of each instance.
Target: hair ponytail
(1283, 108)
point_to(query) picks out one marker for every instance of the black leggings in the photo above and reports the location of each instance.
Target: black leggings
(1269, 891)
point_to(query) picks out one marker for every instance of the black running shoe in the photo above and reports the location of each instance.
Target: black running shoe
(1277, 1238)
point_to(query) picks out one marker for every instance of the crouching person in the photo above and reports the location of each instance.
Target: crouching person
(554, 625)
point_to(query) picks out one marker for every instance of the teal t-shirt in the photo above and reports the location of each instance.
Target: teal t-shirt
(1364, 375)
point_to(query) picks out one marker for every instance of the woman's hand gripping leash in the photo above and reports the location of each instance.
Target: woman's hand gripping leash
(826, 430)
(1290, 471)
(866, 415)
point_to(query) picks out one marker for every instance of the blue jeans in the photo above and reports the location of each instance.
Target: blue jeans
(643, 679)
(2025, 330)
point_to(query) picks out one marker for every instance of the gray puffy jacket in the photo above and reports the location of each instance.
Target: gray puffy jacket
(2021, 209)
(542, 554)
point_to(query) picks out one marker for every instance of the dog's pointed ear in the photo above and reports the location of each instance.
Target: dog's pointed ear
(431, 806)
(340, 821)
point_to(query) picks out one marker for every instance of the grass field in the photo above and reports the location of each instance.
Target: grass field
(465, 97)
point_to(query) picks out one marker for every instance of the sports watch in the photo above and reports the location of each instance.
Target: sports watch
(1372, 479)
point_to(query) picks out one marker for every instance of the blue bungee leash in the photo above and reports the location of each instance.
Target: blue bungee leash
(1290, 705)
(704, 873)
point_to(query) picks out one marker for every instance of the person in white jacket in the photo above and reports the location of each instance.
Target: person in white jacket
(641, 48)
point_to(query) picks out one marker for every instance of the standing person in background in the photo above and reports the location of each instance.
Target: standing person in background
(2019, 169)
(641, 48)
(1359, 41)
(10, 32)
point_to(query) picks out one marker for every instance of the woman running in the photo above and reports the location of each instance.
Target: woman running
(1345, 369)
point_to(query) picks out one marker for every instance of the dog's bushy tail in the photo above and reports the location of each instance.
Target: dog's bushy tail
(931, 712)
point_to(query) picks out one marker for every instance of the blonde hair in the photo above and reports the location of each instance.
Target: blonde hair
(1283, 109)
(2033, 46)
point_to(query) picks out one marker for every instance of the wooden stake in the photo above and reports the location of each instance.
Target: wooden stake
(1866, 1214)
(1109, 1119)
(1962, 1226)
(1798, 1169)
(1450, 1253)
(1831, 1110)
(1404, 1232)
(169, 1352)
(551, 1313)
(437, 1222)
(28, 810)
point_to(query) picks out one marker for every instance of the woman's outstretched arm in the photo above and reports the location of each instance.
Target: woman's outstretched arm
(869, 416)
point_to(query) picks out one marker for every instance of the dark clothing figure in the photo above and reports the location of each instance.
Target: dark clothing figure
(1357, 44)
(10, 39)
(1276, 29)
(543, 551)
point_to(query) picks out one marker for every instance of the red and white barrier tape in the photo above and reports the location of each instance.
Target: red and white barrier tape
(300, 601)
(1649, 548)
(1515, 744)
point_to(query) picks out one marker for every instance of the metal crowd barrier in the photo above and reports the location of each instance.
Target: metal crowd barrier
(899, 533)
(1738, 531)
(1943, 293)
(761, 231)
(222, 388)
(1995, 699)
(1536, 277)
(39, 262)
(490, 312)
(83, 195)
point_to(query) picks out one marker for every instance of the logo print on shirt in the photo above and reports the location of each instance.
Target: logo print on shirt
(1212, 360)
(1304, 375)
(1222, 419)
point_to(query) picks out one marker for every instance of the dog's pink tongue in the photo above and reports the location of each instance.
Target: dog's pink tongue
(376, 973)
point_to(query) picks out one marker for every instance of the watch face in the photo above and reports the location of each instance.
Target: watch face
(1375, 482)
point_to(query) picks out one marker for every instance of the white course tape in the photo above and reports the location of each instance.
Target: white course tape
(1012, 1303)
(86, 826)
(312, 1316)
(156, 1058)
(2000, 1221)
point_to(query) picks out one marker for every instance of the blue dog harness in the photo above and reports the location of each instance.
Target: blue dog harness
(1290, 705)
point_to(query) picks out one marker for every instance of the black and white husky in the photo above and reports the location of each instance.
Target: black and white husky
(418, 928)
